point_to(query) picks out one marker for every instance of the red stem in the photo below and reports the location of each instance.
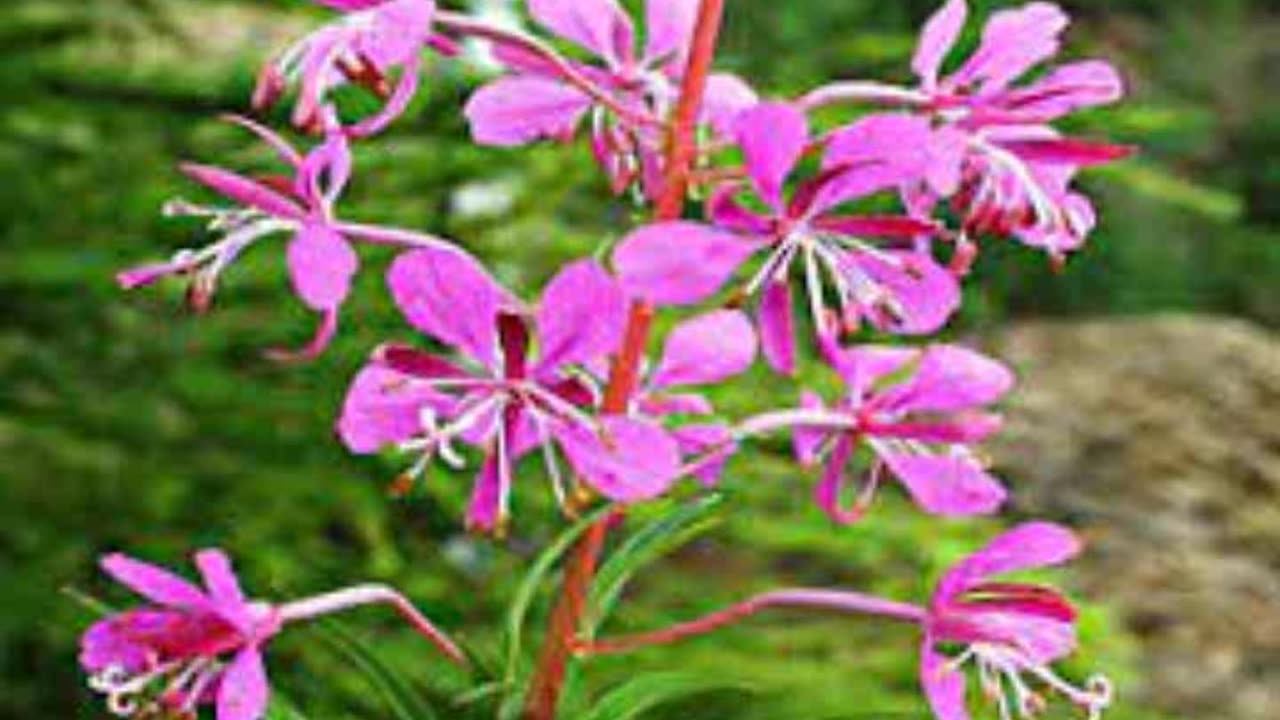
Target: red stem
(580, 570)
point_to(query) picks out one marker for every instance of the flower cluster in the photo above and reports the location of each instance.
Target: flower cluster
(965, 154)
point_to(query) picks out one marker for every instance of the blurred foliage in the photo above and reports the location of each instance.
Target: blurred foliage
(125, 423)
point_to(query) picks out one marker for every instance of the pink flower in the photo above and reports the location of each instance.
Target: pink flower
(196, 646)
(501, 397)
(321, 261)
(918, 411)
(370, 41)
(704, 350)
(626, 95)
(890, 283)
(1009, 630)
(174, 654)
(990, 148)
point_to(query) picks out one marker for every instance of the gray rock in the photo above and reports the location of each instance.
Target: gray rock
(1160, 438)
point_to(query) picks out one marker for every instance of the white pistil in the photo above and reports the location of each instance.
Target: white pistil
(558, 486)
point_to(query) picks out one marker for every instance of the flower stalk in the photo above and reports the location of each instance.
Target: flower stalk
(681, 151)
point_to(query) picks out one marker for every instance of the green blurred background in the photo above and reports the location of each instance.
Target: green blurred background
(127, 424)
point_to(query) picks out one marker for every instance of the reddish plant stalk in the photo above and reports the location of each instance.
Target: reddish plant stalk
(559, 643)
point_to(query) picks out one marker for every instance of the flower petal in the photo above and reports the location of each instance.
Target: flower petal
(726, 98)
(711, 445)
(224, 588)
(773, 137)
(431, 285)
(581, 317)
(601, 26)
(519, 109)
(669, 30)
(1027, 546)
(1013, 42)
(153, 582)
(916, 295)
(485, 510)
(936, 40)
(807, 440)
(321, 266)
(829, 489)
(706, 349)
(777, 327)
(384, 407)
(950, 379)
(635, 460)
(242, 190)
(1070, 87)
(243, 691)
(953, 485)
(679, 263)
(943, 684)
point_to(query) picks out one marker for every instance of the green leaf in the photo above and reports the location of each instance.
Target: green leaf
(404, 702)
(523, 598)
(282, 708)
(639, 695)
(658, 538)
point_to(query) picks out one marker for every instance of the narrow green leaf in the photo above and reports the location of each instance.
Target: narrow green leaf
(658, 538)
(528, 589)
(403, 701)
(639, 695)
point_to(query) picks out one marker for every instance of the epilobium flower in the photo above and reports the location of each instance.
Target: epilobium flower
(321, 261)
(504, 398)
(370, 41)
(1010, 631)
(627, 99)
(918, 411)
(196, 646)
(887, 282)
(990, 147)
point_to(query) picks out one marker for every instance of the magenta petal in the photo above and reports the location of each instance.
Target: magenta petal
(773, 137)
(519, 109)
(224, 588)
(724, 209)
(384, 407)
(777, 327)
(601, 26)
(669, 29)
(1070, 87)
(951, 379)
(944, 686)
(806, 440)
(581, 317)
(321, 266)
(111, 641)
(727, 97)
(936, 40)
(863, 366)
(431, 285)
(485, 509)
(243, 692)
(679, 263)
(830, 488)
(948, 485)
(153, 582)
(406, 88)
(711, 445)
(1027, 546)
(242, 190)
(636, 460)
(706, 349)
(880, 151)
(1068, 151)
(1013, 42)
(921, 295)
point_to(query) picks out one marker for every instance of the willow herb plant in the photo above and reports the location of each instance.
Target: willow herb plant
(966, 154)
